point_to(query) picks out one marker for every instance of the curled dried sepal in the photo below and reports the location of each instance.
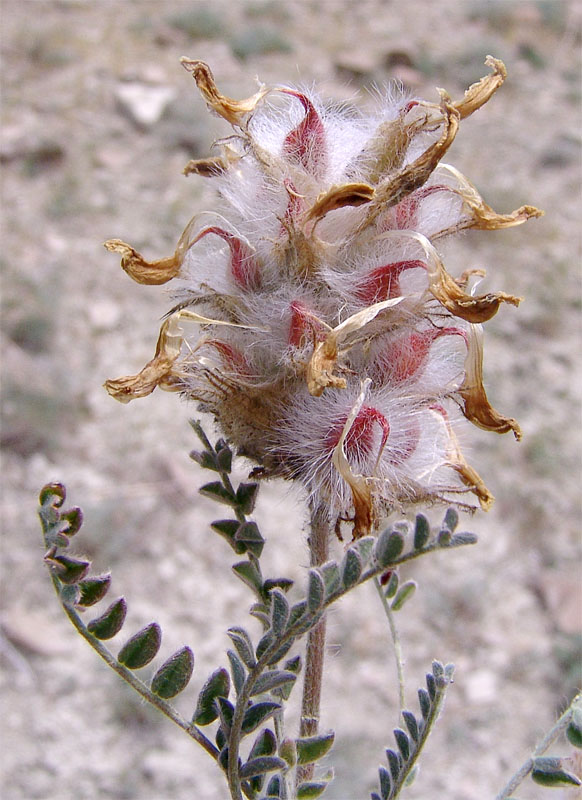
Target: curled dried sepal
(157, 372)
(414, 175)
(480, 92)
(476, 406)
(320, 369)
(456, 461)
(152, 273)
(472, 309)
(482, 216)
(359, 485)
(348, 194)
(450, 292)
(213, 165)
(234, 111)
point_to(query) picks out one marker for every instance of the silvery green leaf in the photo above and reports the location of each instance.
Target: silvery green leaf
(315, 590)
(288, 751)
(142, 647)
(228, 529)
(431, 686)
(403, 743)
(264, 745)
(411, 724)
(421, 531)
(196, 426)
(273, 679)
(331, 577)
(574, 729)
(438, 672)
(250, 574)
(311, 789)
(225, 711)
(404, 593)
(445, 537)
(224, 457)
(461, 539)
(256, 714)
(261, 765)
(71, 521)
(451, 519)
(217, 685)
(395, 763)
(67, 569)
(298, 610)
(92, 590)
(280, 653)
(174, 674)
(244, 647)
(365, 547)
(206, 459)
(388, 547)
(312, 748)
(246, 497)
(280, 610)
(274, 787)
(216, 491)
(548, 771)
(250, 537)
(110, 622)
(425, 703)
(237, 670)
(385, 783)
(265, 642)
(281, 583)
(351, 568)
(392, 586)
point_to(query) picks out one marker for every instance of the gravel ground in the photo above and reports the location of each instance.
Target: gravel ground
(98, 120)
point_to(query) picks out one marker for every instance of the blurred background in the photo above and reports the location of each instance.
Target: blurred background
(98, 120)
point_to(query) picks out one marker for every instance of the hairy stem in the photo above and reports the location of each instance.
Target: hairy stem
(139, 686)
(395, 641)
(315, 649)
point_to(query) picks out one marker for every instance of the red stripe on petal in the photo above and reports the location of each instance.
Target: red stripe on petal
(232, 357)
(405, 213)
(404, 358)
(306, 143)
(303, 325)
(243, 264)
(383, 283)
(360, 437)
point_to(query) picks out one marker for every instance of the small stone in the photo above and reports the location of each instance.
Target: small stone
(144, 104)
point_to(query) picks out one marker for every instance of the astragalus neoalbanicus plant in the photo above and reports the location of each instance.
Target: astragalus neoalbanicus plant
(314, 319)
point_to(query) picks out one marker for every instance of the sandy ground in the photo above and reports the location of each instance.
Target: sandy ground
(80, 166)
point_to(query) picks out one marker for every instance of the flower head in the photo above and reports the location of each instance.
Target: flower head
(331, 344)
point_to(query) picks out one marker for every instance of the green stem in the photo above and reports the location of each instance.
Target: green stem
(128, 676)
(540, 749)
(312, 686)
(425, 733)
(395, 641)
